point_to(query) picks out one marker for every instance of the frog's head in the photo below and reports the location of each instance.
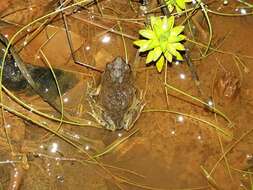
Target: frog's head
(118, 70)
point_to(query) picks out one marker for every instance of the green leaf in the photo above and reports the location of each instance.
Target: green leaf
(179, 56)
(178, 46)
(158, 31)
(171, 22)
(154, 43)
(177, 30)
(165, 24)
(179, 10)
(160, 63)
(172, 49)
(168, 56)
(147, 46)
(163, 42)
(140, 43)
(174, 39)
(158, 27)
(147, 33)
(150, 56)
(157, 53)
(171, 8)
(153, 21)
(181, 3)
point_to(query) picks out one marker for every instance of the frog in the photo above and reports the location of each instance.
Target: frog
(228, 86)
(116, 103)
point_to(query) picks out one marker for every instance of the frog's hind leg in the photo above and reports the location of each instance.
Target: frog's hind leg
(133, 114)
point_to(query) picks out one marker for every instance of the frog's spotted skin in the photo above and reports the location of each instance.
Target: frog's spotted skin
(116, 103)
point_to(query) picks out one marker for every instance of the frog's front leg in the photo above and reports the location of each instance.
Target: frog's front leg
(100, 115)
(92, 92)
(108, 122)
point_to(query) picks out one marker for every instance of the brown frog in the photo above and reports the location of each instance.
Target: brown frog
(116, 103)
(228, 86)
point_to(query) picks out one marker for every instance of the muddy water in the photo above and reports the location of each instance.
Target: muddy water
(175, 147)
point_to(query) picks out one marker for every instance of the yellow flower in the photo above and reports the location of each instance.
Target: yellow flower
(163, 40)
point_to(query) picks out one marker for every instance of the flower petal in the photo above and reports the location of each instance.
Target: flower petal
(179, 56)
(165, 24)
(153, 21)
(171, 8)
(168, 56)
(158, 28)
(157, 53)
(172, 49)
(160, 63)
(145, 47)
(173, 39)
(150, 56)
(178, 46)
(181, 4)
(171, 22)
(177, 30)
(147, 33)
(140, 42)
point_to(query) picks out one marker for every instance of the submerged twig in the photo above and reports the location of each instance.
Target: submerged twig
(68, 34)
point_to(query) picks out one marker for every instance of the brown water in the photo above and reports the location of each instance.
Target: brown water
(170, 150)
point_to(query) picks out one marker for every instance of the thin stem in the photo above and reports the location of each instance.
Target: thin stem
(209, 25)
(219, 51)
(68, 33)
(193, 117)
(57, 86)
(228, 14)
(124, 42)
(230, 148)
(200, 101)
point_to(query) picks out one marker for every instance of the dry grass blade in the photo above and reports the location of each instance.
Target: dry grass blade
(200, 101)
(115, 144)
(219, 129)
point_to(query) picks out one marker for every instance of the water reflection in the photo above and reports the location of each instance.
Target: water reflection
(54, 148)
(66, 100)
(249, 156)
(7, 126)
(106, 39)
(180, 118)
(87, 147)
(243, 11)
(177, 62)
(87, 48)
(225, 2)
(182, 76)
(199, 137)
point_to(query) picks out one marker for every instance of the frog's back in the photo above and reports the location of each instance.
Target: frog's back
(117, 89)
